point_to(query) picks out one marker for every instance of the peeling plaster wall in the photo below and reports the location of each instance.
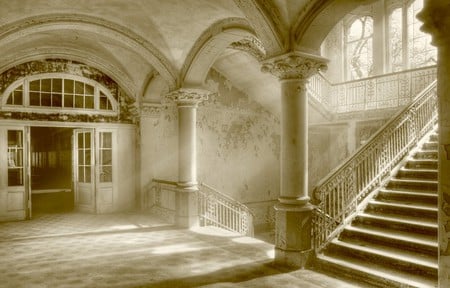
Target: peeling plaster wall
(238, 146)
(327, 149)
(332, 49)
(159, 147)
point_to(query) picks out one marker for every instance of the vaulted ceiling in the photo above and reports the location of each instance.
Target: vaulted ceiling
(152, 46)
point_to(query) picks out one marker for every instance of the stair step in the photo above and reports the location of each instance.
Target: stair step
(413, 185)
(408, 173)
(408, 197)
(434, 137)
(392, 257)
(426, 154)
(380, 207)
(422, 163)
(377, 275)
(405, 223)
(430, 146)
(410, 241)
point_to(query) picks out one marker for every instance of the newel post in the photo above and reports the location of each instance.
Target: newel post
(186, 199)
(293, 216)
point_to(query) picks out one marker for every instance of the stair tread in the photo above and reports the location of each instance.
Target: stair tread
(397, 235)
(380, 271)
(427, 181)
(391, 253)
(423, 207)
(410, 193)
(403, 219)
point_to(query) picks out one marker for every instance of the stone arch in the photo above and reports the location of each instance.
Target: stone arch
(209, 46)
(318, 20)
(124, 36)
(113, 70)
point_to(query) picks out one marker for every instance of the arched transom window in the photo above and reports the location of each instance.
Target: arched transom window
(56, 92)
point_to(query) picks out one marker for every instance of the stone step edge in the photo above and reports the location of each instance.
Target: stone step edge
(409, 193)
(398, 220)
(374, 276)
(387, 235)
(403, 206)
(390, 255)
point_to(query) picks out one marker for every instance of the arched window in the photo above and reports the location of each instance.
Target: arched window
(359, 53)
(56, 92)
(408, 46)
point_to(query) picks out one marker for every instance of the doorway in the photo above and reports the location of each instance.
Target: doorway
(51, 169)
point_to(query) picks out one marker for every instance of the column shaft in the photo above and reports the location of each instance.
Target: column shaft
(294, 142)
(187, 162)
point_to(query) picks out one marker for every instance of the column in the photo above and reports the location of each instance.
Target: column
(187, 199)
(293, 212)
(436, 18)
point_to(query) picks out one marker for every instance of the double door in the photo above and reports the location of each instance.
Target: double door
(93, 169)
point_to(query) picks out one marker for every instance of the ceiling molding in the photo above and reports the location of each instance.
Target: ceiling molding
(49, 22)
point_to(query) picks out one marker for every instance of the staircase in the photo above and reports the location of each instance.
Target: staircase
(393, 241)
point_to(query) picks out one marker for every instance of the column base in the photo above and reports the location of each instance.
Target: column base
(293, 243)
(186, 208)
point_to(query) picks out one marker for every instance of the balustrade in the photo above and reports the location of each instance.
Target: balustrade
(338, 196)
(378, 92)
(219, 210)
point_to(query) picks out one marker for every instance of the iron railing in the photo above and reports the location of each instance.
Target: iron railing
(378, 92)
(220, 210)
(338, 196)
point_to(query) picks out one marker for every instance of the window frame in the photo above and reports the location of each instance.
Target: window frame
(27, 107)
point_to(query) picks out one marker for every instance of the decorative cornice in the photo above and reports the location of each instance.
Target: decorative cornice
(188, 96)
(151, 110)
(294, 65)
(252, 46)
(436, 21)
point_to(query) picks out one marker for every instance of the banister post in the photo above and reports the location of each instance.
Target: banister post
(293, 216)
(186, 200)
(436, 18)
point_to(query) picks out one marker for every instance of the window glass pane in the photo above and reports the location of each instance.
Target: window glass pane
(10, 99)
(87, 178)
(15, 158)
(359, 48)
(105, 138)
(103, 103)
(87, 157)
(87, 139)
(106, 174)
(80, 157)
(18, 97)
(56, 100)
(79, 101)
(35, 99)
(396, 39)
(89, 102)
(79, 87)
(57, 85)
(106, 157)
(80, 140)
(68, 86)
(46, 85)
(80, 173)
(46, 99)
(89, 89)
(68, 101)
(35, 85)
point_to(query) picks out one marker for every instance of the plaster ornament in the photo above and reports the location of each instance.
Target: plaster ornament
(151, 110)
(188, 96)
(294, 65)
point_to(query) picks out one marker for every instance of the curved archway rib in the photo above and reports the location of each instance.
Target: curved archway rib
(314, 26)
(208, 47)
(123, 35)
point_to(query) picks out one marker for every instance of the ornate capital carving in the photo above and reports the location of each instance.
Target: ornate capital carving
(188, 96)
(294, 65)
(252, 46)
(151, 110)
(436, 21)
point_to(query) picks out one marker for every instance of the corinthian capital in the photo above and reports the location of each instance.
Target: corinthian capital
(188, 96)
(436, 20)
(294, 65)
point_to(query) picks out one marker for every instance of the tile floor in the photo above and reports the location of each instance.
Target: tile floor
(138, 250)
